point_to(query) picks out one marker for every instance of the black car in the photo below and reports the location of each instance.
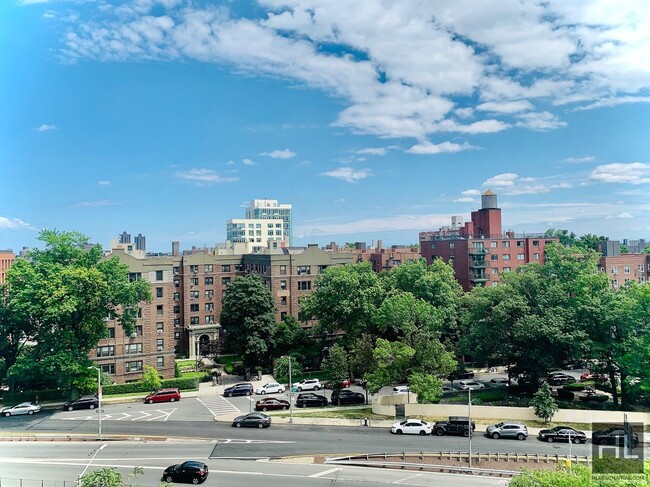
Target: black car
(460, 375)
(309, 399)
(454, 425)
(252, 420)
(562, 433)
(84, 402)
(346, 396)
(191, 472)
(612, 436)
(559, 379)
(242, 389)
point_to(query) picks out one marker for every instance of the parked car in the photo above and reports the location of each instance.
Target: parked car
(163, 395)
(346, 396)
(191, 472)
(594, 376)
(502, 381)
(446, 389)
(400, 390)
(332, 384)
(562, 433)
(310, 399)
(465, 385)
(412, 427)
(308, 385)
(84, 402)
(559, 379)
(22, 408)
(612, 436)
(270, 388)
(271, 403)
(454, 425)
(459, 375)
(241, 389)
(507, 430)
(252, 420)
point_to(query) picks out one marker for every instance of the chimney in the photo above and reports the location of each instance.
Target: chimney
(175, 248)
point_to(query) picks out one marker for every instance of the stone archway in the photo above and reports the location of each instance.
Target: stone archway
(204, 344)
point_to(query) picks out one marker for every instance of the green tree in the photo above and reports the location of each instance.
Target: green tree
(590, 241)
(150, 378)
(281, 368)
(624, 249)
(336, 366)
(362, 359)
(427, 387)
(290, 337)
(110, 477)
(566, 239)
(248, 320)
(544, 404)
(58, 299)
(646, 249)
(346, 298)
(393, 361)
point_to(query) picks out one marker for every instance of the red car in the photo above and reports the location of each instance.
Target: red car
(590, 375)
(163, 395)
(271, 403)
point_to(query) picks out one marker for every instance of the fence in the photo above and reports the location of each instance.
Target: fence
(26, 482)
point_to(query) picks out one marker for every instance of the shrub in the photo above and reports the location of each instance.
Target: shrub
(565, 394)
(135, 387)
(576, 386)
(228, 368)
(45, 395)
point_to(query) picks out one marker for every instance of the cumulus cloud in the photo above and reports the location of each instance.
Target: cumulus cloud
(501, 180)
(347, 174)
(464, 199)
(629, 173)
(470, 192)
(427, 147)
(578, 159)
(513, 184)
(280, 154)
(14, 224)
(248, 162)
(46, 127)
(373, 151)
(203, 176)
(586, 55)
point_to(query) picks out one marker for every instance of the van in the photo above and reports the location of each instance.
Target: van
(400, 390)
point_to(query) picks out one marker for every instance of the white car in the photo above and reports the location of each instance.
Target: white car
(412, 427)
(465, 385)
(22, 408)
(400, 390)
(308, 385)
(270, 388)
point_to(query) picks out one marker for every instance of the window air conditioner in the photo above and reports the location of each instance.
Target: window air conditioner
(160, 332)
(134, 334)
(160, 349)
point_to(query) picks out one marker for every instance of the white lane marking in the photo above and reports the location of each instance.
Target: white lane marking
(142, 416)
(325, 472)
(410, 477)
(124, 416)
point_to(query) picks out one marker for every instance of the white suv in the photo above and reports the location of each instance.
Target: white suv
(308, 385)
(465, 385)
(270, 388)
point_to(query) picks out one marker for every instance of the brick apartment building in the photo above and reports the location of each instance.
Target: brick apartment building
(479, 250)
(187, 296)
(7, 257)
(382, 259)
(623, 268)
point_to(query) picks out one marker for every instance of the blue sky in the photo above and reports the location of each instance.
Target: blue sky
(375, 120)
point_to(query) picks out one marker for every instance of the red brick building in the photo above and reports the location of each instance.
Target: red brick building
(623, 268)
(479, 250)
(7, 257)
(382, 259)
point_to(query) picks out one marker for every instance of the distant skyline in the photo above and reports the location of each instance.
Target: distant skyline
(376, 120)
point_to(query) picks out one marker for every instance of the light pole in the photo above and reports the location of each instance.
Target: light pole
(469, 404)
(290, 391)
(101, 447)
(99, 397)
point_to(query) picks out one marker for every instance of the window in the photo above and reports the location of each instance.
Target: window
(108, 369)
(506, 269)
(194, 281)
(194, 295)
(209, 319)
(614, 269)
(209, 306)
(209, 294)
(159, 275)
(304, 285)
(177, 309)
(177, 283)
(478, 245)
(138, 330)
(135, 366)
(159, 292)
(626, 269)
(209, 281)
(160, 344)
(107, 351)
(283, 284)
(535, 256)
(304, 270)
(139, 312)
(194, 308)
(520, 243)
(614, 282)
(111, 313)
(505, 256)
(495, 270)
(177, 296)
(493, 245)
(176, 270)
(283, 270)
(225, 268)
(520, 256)
(535, 243)
(321, 268)
(283, 315)
(283, 300)
(160, 362)
(207, 268)
(136, 276)
(159, 310)
(177, 335)
(494, 257)
(177, 322)
(640, 267)
(194, 320)
(160, 326)
(641, 279)
(194, 269)
(495, 283)
(132, 348)
(505, 244)
(111, 332)
(452, 245)
(225, 281)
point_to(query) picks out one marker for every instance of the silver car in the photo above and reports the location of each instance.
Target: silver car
(507, 430)
(22, 408)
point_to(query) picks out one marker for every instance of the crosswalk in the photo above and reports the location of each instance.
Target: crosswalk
(218, 405)
(151, 415)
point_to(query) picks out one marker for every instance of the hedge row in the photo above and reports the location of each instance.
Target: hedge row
(26, 396)
(135, 387)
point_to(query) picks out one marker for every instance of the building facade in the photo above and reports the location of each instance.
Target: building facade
(7, 258)
(255, 234)
(478, 250)
(620, 268)
(272, 210)
(381, 259)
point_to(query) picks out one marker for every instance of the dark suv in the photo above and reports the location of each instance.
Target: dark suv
(460, 375)
(84, 402)
(346, 396)
(310, 399)
(455, 425)
(190, 472)
(242, 389)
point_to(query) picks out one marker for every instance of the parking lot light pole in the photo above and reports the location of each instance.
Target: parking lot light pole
(469, 403)
(290, 391)
(99, 397)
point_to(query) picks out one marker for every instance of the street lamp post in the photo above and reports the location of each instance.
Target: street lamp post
(470, 426)
(99, 397)
(290, 391)
(101, 447)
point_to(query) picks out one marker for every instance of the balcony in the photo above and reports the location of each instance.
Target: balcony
(478, 264)
(475, 251)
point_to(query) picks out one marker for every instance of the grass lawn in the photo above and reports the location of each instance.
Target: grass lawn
(357, 413)
(228, 359)
(186, 363)
(193, 375)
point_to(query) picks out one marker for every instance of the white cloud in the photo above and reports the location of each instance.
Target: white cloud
(501, 180)
(280, 154)
(46, 127)
(578, 159)
(104, 182)
(505, 107)
(347, 174)
(339, 200)
(513, 184)
(97, 203)
(373, 151)
(624, 216)
(464, 199)
(426, 147)
(470, 192)
(539, 121)
(204, 176)
(14, 224)
(248, 162)
(613, 101)
(630, 173)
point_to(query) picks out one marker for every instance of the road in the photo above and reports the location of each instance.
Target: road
(27, 464)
